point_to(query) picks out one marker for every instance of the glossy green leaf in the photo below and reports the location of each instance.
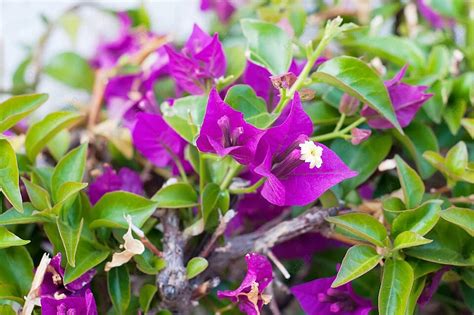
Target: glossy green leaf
(409, 239)
(147, 292)
(149, 263)
(243, 99)
(185, 115)
(17, 269)
(236, 61)
(70, 168)
(175, 196)
(195, 266)
(392, 207)
(9, 175)
(356, 78)
(363, 158)
(392, 48)
(434, 107)
(39, 196)
(72, 70)
(416, 290)
(88, 255)
(69, 190)
(419, 138)
(362, 225)
(453, 114)
(439, 62)
(12, 216)
(59, 145)
(397, 282)
(8, 239)
(359, 260)
(462, 217)
(457, 158)
(41, 132)
(70, 236)
(118, 285)
(419, 220)
(18, 107)
(451, 246)
(269, 45)
(210, 196)
(412, 185)
(111, 209)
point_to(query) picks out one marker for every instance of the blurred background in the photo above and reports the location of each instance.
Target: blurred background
(23, 22)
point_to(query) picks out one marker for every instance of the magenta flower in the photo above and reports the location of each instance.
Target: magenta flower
(406, 100)
(225, 132)
(433, 17)
(157, 141)
(110, 180)
(128, 94)
(249, 295)
(297, 170)
(304, 246)
(223, 8)
(318, 298)
(200, 62)
(129, 41)
(72, 298)
(432, 286)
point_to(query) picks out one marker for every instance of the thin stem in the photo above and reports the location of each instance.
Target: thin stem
(233, 171)
(249, 189)
(340, 122)
(201, 172)
(341, 133)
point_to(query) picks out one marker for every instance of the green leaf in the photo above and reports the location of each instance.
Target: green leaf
(147, 292)
(6, 310)
(17, 269)
(419, 138)
(70, 22)
(362, 225)
(236, 61)
(59, 145)
(175, 196)
(38, 195)
(409, 239)
(18, 107)
(88, 255)
(118, 285)
(269, 45)
(439, 62)
(453, 114)
(9, 175)
(111, 209)
(69, 190)
(416, 290)
(397, 282)
(462, 217)
(451, 246)
(70, 236)
(243, 99)
(41, 132)
(8, 239)
(412, 185)
(359, 260)
(70, 168)
(195, 266)
(392, 48)
(419, 220)
(148, 262)
(210, 196)
(363, 158)
(356, 78)
(12, 216)
(72, 70)
(185, 115)
(456, 159)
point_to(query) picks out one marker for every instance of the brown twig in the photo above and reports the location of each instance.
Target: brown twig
(217, 233)
(261, 241)
(151, 247)
(172, 282)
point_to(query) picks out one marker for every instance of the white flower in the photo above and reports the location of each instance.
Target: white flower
(131, 247)
(311, 153)
(32, 298)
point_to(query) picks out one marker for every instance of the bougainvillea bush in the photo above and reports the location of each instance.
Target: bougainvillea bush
(289, 158)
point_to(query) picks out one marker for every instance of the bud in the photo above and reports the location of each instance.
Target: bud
(348, 105)
(283, 81)
(360, 135)
(307, 94)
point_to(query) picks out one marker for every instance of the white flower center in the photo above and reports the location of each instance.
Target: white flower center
(311, 153)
